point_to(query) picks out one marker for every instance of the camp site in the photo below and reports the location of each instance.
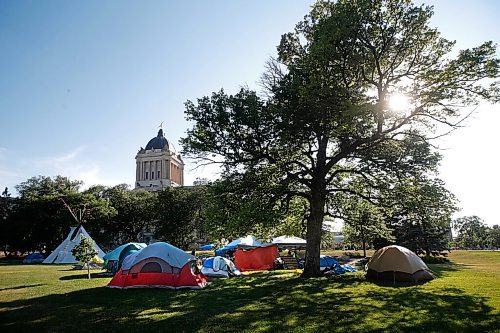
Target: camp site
(249, 166)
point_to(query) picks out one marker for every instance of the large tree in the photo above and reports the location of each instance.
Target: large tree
(136, 211)
(178, 216)
(242, 204)
(421, 215)
(326, 121)
(46, 208)
(363, 222)
(472, 232)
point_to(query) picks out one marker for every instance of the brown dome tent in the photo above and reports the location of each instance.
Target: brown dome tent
(397, 263)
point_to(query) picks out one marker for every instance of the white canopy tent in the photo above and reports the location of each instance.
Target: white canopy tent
(291, 241)
(62, 254)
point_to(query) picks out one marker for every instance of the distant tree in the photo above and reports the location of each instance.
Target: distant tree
(6, 193)
(8, 205)
(421, 215)
(136, 211)
(178, 216)
(85, 252)
(494, 236)
(364, 222)
(472, 232)
(327, 120)
(39, 186)
(200, 181)
(47, 207)
(237, 205)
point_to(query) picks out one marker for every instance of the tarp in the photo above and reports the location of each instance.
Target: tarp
(260, 258)
(159, 265)
(243, 242)
(207, 247)
(284, 241)
(219, 267)
(329, 263)
(62, 254)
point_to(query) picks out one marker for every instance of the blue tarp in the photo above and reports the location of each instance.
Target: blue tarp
(34, 256)
(207, 247)
(327, 262)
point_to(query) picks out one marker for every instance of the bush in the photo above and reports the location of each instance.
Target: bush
(435, 260)
(353, 254)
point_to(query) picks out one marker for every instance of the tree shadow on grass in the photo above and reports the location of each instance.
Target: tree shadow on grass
(22, 287)
(93, 275)
(264, 302)
(11, 262)
(441, 270)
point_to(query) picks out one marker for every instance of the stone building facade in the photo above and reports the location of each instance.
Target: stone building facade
(158, 165)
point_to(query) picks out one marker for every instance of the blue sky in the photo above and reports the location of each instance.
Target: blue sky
(85, 84)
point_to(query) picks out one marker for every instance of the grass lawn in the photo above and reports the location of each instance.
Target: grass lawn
(464, 298)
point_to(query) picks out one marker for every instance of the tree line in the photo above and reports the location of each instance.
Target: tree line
(419, 215)
(40, 217)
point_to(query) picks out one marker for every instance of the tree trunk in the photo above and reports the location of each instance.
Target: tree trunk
(313, 237)
(363, 240)
(88, 269)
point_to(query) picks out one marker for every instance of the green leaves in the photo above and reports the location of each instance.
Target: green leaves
(179, 218)
(326, 125)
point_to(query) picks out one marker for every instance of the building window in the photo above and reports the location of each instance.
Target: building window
(159, 175)
(146, 175)
(152, 175)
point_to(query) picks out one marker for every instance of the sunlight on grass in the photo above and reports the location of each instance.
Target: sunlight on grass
(465, 297)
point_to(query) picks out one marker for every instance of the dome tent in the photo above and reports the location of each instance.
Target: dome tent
(159, 265)
(33, 258)
(114, 259)
(219, 267)
(397, 263)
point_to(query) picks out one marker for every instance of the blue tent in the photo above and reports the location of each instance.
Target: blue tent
(115, 257)
(207, 247)
(326, 262)
(33, 258)
(329, 263)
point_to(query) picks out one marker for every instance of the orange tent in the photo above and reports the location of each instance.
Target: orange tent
(260, 258)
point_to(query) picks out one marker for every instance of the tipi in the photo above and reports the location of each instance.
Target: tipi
(62, 254)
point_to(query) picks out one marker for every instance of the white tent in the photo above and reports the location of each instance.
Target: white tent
(247, 241)
(289, 241)
(62, 254)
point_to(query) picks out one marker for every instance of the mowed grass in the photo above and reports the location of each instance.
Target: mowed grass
(465, 297)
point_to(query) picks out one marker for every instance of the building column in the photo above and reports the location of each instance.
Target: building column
(136, 172)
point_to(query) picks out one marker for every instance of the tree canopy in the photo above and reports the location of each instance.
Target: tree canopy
(326, 123)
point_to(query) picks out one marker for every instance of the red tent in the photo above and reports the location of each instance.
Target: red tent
(260, 258)
(159, 265)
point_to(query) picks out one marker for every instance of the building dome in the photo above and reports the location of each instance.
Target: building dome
(158, 165)
(158, 142)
